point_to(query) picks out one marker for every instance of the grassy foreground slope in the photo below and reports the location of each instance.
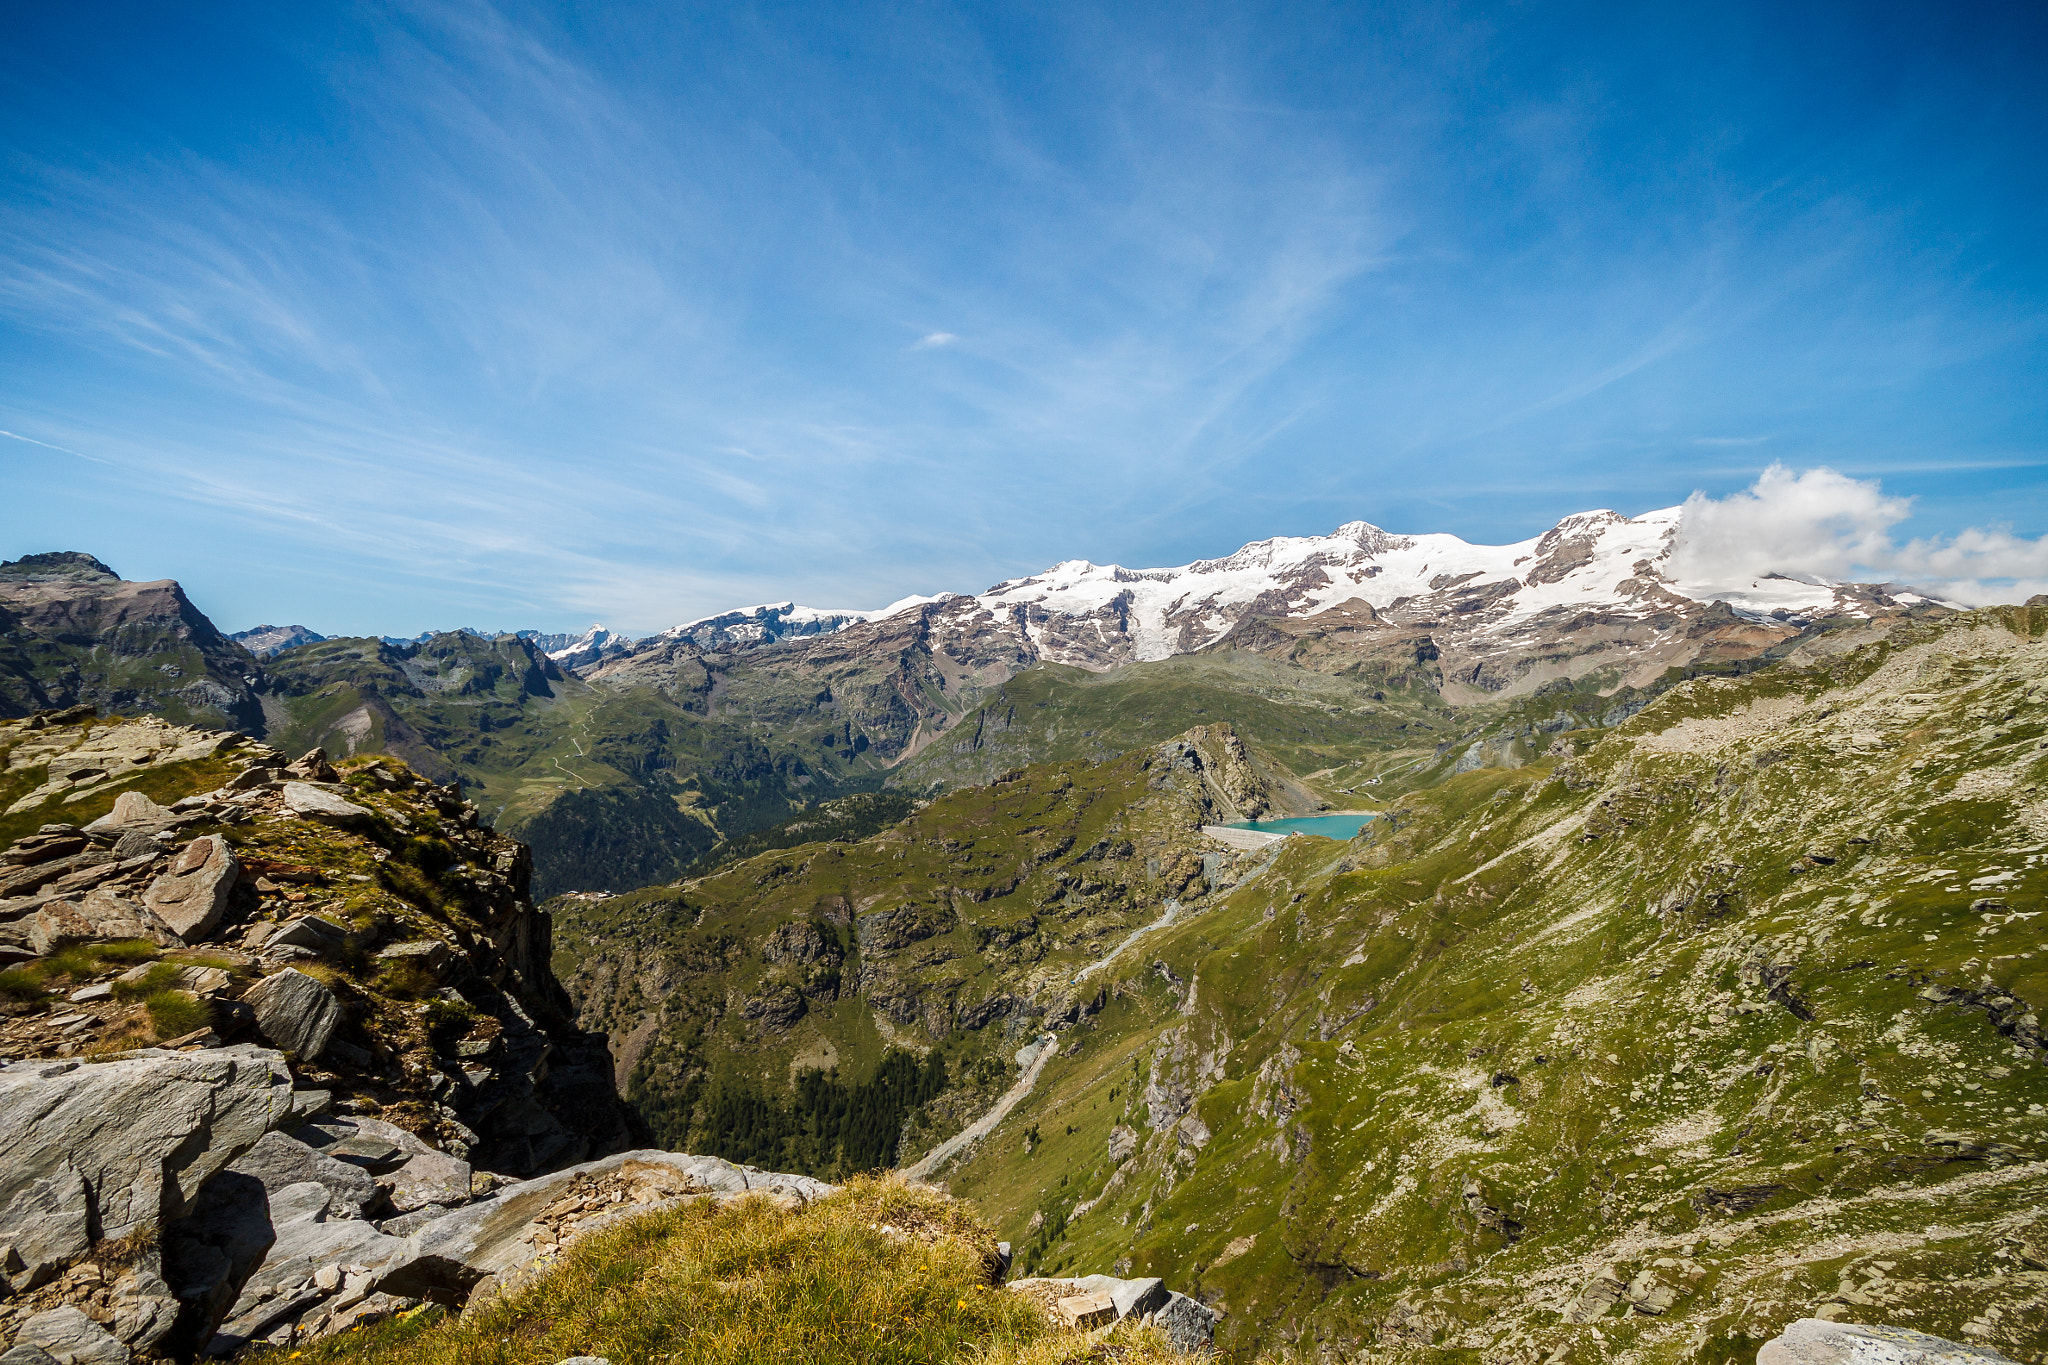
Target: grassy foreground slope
(1722, 1017)
(879, 1274)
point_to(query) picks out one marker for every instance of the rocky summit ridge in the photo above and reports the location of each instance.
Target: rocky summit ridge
(264, 1018)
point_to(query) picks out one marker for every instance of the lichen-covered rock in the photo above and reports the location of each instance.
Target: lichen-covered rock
(193, 891)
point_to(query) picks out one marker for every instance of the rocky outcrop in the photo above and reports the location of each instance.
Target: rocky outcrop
(252, 1050)
(450, 1257)
(1812, 1341)
(112, 1155)
(1095, 1301)
(264, 641)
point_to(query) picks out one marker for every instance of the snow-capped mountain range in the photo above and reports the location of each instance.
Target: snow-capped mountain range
(1086, 613)
(1635, 577)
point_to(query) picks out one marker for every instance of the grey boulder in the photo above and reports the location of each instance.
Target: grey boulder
(192, 893)
(429, 1178)
(277, 1161)
(132, 808)
(134, 1138)
(1812, 1341)
(49, 1222)
(98, 917)
(372, 1144)
(295, 1012)
(24, 1354)
(115, 916)
(1190, 1326)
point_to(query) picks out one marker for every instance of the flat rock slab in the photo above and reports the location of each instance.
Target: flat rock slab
(70, 1336)
(430, 1178)
(309, 802)
(295, 1012)
(1086, 1312)
(1811, 1341)
(141, 1134)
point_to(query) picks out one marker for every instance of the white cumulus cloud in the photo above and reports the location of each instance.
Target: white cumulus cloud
(1818, 523)
(933, 340)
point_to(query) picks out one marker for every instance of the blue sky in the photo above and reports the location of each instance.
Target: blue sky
(389, 317)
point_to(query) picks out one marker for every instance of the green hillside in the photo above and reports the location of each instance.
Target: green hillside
(1639, 1051)
(953, 937)
(1636, 1048)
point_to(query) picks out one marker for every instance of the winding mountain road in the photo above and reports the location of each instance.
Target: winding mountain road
(1040, 1052)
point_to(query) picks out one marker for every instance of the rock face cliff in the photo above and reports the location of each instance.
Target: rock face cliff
(265, 1022)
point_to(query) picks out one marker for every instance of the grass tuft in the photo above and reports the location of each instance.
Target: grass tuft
(173, 1014)
(23, 984)
(127, 951)
(754, 1281)
(406, 980)
(162, 977)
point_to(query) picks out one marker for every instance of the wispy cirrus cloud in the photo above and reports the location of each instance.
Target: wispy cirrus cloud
(465, 299)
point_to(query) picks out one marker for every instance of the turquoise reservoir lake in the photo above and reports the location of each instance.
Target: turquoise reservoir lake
(1328, 826)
